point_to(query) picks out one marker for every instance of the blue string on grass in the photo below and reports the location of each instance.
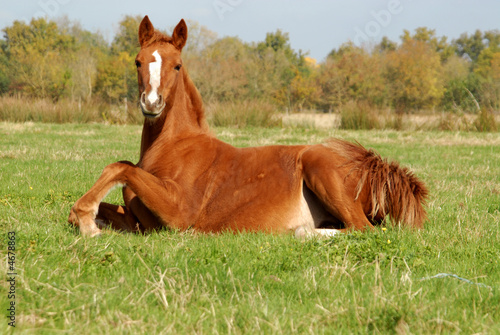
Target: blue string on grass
(442, 275)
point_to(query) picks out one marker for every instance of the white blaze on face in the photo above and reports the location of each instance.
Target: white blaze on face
(154, 77)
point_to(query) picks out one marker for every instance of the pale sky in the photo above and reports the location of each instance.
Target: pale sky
(314, 26)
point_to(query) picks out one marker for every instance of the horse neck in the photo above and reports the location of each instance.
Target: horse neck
(183, 115)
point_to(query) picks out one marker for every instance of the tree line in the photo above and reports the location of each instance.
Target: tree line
(60, 60)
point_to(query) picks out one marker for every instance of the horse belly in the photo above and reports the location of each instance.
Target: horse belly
(254, 189)
(301, 216)
(298, 209)
(261, 211)
(266, 203)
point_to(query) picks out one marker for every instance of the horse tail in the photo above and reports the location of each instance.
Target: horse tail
(392, 190)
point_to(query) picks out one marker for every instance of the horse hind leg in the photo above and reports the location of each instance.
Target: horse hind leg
(146, 221)
(303, 232)
(131, 218)
(116, 217)
(333, 189)
(316, 220)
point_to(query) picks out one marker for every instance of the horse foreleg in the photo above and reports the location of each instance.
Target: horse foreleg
(161, 198)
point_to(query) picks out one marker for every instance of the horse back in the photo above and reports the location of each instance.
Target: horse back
(231, 188)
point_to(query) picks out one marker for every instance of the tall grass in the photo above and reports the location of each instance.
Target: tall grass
(485, 121)
(21, 109)
(251, 113)
(354, 115)
(361, 116)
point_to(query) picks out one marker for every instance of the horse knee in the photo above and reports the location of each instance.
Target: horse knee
(118, 167)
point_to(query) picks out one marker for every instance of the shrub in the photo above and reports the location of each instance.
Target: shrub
(356, 115)
(485, 121)
(247, 113)
(24, 109)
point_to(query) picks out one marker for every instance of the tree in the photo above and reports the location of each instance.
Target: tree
(112, 82)
(4, 67)
(428, 36)
(220, 71)
(288, 64)
(461, 87)
(413, 73)
(488, 70)
(200, 38)
(472, 46)
(126, 39)
(122, 80)
(84, 73)
(304, 91)
(37, 54)
(88, 50)
(386, 45)
(485, 61)
(352, 74)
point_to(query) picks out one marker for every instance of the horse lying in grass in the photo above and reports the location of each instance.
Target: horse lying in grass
(188, 179)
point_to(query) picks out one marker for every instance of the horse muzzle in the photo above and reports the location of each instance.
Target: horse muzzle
(152, 109)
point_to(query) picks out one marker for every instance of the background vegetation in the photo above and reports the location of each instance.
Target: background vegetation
(56, 71)
(379, 282)
(382, 281)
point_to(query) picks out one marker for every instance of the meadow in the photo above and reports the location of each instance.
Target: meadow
(384, 281)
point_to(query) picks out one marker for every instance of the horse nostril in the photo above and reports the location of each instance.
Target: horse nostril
(143, 97)
(160, 100)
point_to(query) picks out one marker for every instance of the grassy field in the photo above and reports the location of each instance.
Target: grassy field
(184, 283)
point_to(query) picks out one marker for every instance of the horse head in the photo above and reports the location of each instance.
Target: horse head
(158, 65)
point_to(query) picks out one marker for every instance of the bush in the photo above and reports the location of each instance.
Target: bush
(247, 113)
(485, 121)
(455, 122)
(24, 109)
(357, 115)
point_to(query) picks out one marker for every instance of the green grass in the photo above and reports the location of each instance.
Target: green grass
(185, 283)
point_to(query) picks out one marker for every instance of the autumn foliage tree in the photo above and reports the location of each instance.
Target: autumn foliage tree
(37, 58)
(59, 60)
(414, 76)
(116, 76)
(219, 72)
(352, 74)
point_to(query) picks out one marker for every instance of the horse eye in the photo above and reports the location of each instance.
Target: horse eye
(137, 63)
(178, 67)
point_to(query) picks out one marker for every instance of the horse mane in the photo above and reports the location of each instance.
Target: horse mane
(158, 37)
(390, 186)
(196, 100)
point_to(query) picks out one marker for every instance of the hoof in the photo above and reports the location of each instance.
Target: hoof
(92, 232)
(73, 219)
(301, 233)
(84, 222)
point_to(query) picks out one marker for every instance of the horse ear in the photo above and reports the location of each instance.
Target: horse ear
(146, 31)
(180, 35)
